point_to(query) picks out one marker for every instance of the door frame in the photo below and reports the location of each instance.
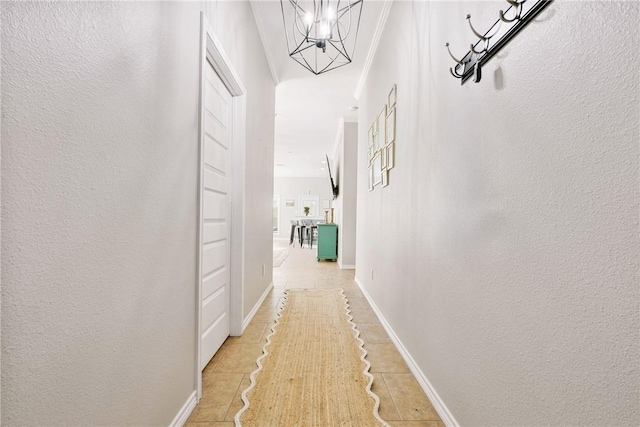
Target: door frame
(211, 51)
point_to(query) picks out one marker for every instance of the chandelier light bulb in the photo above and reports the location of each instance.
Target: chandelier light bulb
(325, 30)
(308, 19)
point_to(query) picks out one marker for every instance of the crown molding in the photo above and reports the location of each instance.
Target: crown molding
(265, 45)
(375, 41)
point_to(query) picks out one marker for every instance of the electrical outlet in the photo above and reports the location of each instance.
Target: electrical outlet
(264, 269)
(372, 274)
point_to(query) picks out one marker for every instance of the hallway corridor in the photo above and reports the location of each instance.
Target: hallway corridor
(402, 402)
(492, 223)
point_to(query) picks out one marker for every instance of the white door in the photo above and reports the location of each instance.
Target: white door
(215, 226)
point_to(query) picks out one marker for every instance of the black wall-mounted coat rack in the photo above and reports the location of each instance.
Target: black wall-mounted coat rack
(510, 23)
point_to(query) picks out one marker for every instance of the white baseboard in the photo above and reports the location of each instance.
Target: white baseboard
(255, 308)
(438, 403)
(183, 415)
(345, 266)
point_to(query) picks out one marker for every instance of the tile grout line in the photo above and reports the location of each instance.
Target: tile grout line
(233, 398)
(384, 380)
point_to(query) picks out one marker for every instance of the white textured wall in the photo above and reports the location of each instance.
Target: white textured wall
(99, 184)
(346, 201)
(234, 25)
(1, 55)
(99, 147)
(509, 267)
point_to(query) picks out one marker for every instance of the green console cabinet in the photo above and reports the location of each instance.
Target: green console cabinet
(328, 242)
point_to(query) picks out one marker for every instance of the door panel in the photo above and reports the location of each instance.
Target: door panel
(215, 206)
(214, 257)
(213, 282)
(214, 232)
(215, 154)
(213, 338)
(215, 305)
(214, 181)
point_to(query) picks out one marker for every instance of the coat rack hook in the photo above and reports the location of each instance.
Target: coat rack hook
(451, 54)
(454, 73)
(517, 12)
(486, 37)
(481, 51)
(477, 73)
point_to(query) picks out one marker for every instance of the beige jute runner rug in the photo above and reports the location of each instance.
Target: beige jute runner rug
(313, 371)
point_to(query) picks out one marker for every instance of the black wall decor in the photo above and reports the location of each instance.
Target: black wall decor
(510, 23)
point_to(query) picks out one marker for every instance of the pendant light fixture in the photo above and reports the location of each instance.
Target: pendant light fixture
(321, 34)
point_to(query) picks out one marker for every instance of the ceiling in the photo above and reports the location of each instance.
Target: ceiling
(309, 107)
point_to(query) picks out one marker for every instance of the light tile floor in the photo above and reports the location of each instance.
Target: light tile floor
(402, 401)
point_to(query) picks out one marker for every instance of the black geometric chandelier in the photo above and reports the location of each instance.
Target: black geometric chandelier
(321, 34)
